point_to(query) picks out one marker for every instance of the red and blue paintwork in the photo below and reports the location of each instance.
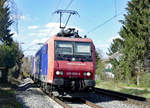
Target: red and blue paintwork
(45, 65)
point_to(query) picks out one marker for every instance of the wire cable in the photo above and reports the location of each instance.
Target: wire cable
(105, 22)
(57, 6)
(59, 2)
(69, 4)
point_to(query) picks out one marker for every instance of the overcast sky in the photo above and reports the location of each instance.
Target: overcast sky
(37, 23)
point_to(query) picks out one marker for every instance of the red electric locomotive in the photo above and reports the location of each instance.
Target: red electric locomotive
(65, 62)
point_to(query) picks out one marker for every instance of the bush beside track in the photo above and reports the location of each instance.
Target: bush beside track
(8, 97)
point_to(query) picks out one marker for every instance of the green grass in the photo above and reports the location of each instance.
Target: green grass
(10, 104)
(107, 85)
(7, 93)
(135, 91)
(7, 97)
(122, 87)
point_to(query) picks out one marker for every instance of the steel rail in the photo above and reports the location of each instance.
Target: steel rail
(57, 100)
(119, 94)
(124, 97)
(91, 104)
(64, 105)
(60, 102)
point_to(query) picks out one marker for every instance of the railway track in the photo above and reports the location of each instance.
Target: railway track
(74, 102)
(81, 102)
(131, 99)
(67, 102)
(99, 98)
(71, 102)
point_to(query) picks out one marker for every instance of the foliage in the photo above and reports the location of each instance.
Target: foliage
(100, 65)
(98, 56)
(10, 52)
(145, 79)
(8, 99)
(18, 60)
(124, 88)
(7, 57)
(134, 44)
(26, 67)
(10, 57)
(115, 47)
(135, 91)
(100, 68)
(5, 23)
(109, 84)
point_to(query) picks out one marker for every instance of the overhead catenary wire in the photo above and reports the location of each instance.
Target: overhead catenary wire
(56, 7)
(105, 22)
(116, 14)
(69, 4)
(59, 2)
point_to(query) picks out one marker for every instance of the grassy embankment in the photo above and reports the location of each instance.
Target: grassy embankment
(7, 97)
(124, 88)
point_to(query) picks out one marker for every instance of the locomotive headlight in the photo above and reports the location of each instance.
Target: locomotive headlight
(59, 72)
(88, 73)
(84, 73)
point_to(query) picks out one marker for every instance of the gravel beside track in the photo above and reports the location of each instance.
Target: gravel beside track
(32, 97)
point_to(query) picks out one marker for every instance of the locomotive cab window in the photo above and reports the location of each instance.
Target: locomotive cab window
(63, 47)
(82, 48)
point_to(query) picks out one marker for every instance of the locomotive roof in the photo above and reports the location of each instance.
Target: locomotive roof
(70, 39)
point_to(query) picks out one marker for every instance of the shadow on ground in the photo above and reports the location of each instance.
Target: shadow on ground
(26, 86)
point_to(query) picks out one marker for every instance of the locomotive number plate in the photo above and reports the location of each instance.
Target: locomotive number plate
(72, 73)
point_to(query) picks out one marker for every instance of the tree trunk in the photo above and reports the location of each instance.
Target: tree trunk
(138, 79)
(147, 61)
(5, 76)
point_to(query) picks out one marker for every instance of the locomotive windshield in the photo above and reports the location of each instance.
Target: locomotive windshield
(82, 48)
(73, 50)
(64, 48)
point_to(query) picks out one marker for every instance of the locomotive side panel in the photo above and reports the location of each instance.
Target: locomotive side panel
(94, 60)
(33, 67)
(50, 74)
(37, 65)
(44, 63)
